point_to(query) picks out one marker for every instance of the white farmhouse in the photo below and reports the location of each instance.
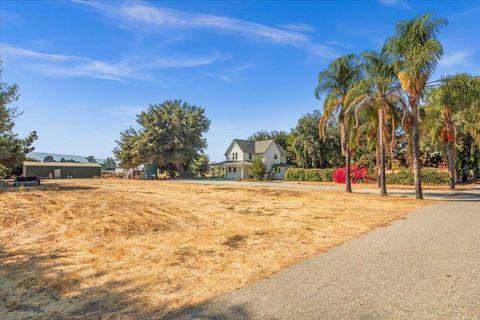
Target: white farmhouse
(240, 153)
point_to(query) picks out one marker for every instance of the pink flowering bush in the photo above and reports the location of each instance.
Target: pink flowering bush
(357, 174)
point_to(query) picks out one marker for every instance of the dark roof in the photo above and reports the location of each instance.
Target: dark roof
(247, 146)
(259, 146)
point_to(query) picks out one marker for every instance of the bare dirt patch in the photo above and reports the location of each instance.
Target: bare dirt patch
(122, 249)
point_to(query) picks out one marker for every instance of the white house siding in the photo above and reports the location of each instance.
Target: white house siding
(236, 149)
(269, 156)
(233, 172)
(280, 173)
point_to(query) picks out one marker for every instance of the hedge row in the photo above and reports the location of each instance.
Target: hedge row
(300, 174)
(429, 176)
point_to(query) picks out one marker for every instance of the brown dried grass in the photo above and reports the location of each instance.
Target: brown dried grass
(114, 249)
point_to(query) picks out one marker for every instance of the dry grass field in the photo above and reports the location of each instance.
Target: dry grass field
(125, 249)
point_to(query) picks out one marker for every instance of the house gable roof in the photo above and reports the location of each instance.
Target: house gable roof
(257, 147)
(246, 146)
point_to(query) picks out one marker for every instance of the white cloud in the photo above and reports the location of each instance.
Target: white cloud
(67, 66)
(395, 3)
(151, 18)
(458, 58)
(230, 74)
(300, 27)
(20, 52)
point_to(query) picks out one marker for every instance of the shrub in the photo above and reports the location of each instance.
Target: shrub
(295, 174)
(357, 174)
(433, 176)
(300, 174)
(258, 169)
(312, 175)
(4, 171)
(429, 176)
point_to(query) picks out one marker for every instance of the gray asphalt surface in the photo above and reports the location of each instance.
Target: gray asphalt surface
(426, 266)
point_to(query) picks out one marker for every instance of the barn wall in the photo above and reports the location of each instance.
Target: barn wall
(76, 172)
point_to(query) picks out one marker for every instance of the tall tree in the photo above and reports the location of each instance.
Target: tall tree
(129, 149)
(91, 159)
(49, 159)
(171, 133)
(338, 85)
(109, 163)
(281, 137)
(13, 150)
(416, 51)
(310, 150)
(200, 164)
(383, 100)
(451, 108)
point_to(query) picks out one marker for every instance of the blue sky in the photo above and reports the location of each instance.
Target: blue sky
(85, 68)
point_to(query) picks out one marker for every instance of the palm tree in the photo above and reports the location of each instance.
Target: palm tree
(382, 101)
(454, 107)
(417, 51)
(339, 83)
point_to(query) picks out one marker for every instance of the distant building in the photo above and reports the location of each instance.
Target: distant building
(59, 170)
(240, 153)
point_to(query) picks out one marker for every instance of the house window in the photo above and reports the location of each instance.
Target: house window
(249, 156)
(229, 169)
(275, 156)
(279, 170)
(234, 169)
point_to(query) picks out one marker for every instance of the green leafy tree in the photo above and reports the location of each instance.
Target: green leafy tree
(91, 159)
(310, 150)
(171, 133)
(340, 84)
(452, 109)
(416, 51)
(49, 159)
(283, 138)
(200, 164)
(128, 151)
(13, 150)
(109, 164)
(258, 169)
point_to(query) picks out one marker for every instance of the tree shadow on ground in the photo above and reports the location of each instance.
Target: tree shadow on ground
(33, 286)
(65, 187)
(47, 187)
(204, 312)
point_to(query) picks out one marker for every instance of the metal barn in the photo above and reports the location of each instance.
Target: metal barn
(59, 170)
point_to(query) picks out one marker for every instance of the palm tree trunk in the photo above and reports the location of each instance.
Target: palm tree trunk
(348, 182)
(346, 148)
(383, 186)
(417, 168)
(377, 161)
(451, 164)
